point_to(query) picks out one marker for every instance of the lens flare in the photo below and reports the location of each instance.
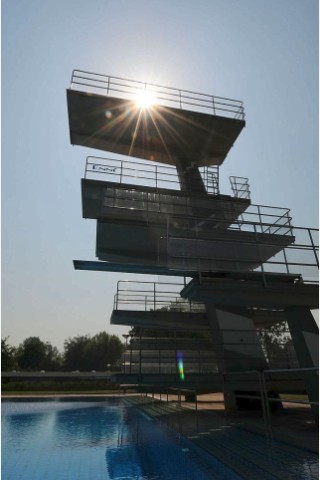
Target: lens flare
(180, 365)
(144, 99)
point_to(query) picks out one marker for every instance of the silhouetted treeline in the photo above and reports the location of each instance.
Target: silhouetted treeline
(83, 353)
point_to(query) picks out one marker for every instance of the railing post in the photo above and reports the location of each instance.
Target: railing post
(289, 222)
(121, 171)
(196, 410)
(159, 359)
(85, 168)
(154, 296)
(260, 219)
(224, 393)
(313, 247)
(130, 368)
(168, 242)
(259, 255)
(266, 402)
(140, 357)
(71, 80)
(285, 260)
(213, 106)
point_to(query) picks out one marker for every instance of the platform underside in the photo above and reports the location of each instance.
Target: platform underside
(100, 266)
(117, 125)
(185, 321)
(229, 250)
(276, 294)
(110, 201)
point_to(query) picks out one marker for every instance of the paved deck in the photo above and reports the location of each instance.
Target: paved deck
(294, 424)
(239, 440)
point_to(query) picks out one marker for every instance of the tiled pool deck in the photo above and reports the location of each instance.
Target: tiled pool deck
(239, 441)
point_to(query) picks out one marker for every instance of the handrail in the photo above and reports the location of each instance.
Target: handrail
(265, 399)
(154, 295)
(156, 176)
(192, 247)
(160, 176)
(291, 370)
(163, 95)
(200, 226)
(240, 187)
(181, 206)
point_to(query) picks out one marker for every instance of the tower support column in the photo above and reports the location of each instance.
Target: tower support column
(237, 348)
(190, 177)
(305, 338)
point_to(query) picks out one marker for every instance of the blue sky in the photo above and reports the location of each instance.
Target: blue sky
(262, 52)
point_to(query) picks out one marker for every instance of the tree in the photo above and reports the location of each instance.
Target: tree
(34, 354)
(103, 350)
(53, 360)
(177, 305)
(8, 355)
(273, 341)
(74, 357)
(92, 353)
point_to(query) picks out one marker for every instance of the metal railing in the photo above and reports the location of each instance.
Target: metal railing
(256, 218)
(283, 428)
(160, 95)
(138, 173)
(218, 214)
(268, 219)
(165, 362)
(153, 296)
(264, 388)
(240, 187)
(293, 251)
(157, 175)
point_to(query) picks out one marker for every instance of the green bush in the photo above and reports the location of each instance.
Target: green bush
(56, 386)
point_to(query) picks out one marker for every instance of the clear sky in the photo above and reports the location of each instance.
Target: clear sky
(262, 52)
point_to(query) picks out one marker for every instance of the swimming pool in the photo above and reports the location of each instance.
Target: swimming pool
(64, 439)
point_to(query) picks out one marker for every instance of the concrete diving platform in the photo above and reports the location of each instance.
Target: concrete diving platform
(109, 201)
(187, 321)
(277, 292)
(181, 321)
(116, 123)
(222, 250)
(100, 266)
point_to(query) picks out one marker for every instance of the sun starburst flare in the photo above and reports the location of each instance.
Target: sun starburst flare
(145, 99)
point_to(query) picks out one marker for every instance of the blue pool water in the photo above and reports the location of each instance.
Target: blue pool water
(65, 439)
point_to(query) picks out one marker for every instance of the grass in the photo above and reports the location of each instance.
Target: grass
(60, 392)
(290, 396)
(58, 386)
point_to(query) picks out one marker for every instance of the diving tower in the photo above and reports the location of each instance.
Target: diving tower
(160, 211)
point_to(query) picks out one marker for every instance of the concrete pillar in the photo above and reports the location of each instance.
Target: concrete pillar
(190, 178)
(237, 347)
(305, 338)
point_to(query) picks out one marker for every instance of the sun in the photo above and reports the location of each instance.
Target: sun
(144, 99)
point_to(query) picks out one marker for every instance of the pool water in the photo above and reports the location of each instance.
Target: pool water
(64, 439)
